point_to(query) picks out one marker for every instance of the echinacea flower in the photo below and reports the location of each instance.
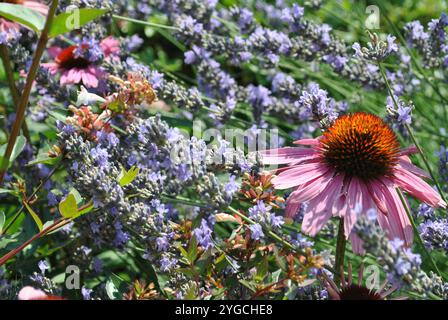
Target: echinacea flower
(356, 165)
(10, 29)
(79, 63)
(349, 290)
(30, 293)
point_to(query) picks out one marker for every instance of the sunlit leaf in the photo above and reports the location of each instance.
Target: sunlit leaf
(34, 215)
(127, 177)
(74, 20)
(23, 15)
(68, 207)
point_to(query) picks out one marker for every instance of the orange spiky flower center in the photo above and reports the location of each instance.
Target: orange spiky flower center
(360, 145)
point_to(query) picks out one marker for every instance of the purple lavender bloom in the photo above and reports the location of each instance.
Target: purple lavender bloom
(100, 156)
(162, 243)
(166, 263)
(232, 186)
(43, 266)
(256, 231)
(86, 293)
(203, 235)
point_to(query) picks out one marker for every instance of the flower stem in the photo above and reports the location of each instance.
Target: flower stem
(413, 138)
(417, 234)
(340, 251)
(21, 107)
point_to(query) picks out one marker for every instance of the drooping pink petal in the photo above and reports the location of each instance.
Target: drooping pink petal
(354, 205)
(292, 207)
(299, 175)
(405, 164)
(409, 150)
(285, 155)
(319, 209)
(418, 188)
(311, 189)
(356, 244)
(397, 216)
(89, 80)
(307, 142)
(377, 196)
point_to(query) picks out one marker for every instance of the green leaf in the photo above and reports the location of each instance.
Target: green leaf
(6, 191)
(23, 15)
(126, 178)
(44, 158)
(192, 250)
(116, 287)
(84, 211)
(17, 149)
(68, 207)
(34, 215)
(73, 20)
(2, 220)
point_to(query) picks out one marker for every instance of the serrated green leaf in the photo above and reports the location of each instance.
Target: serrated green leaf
(68, 207)
(34, 216)
(129, 176)
(23, 15)
(73, 20)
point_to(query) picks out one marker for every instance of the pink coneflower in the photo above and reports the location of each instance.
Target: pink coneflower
(30, 293)
(10, 29)
(354, 166)
(78, 63)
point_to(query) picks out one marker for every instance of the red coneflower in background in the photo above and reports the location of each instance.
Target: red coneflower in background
(79, 63)
(356, 164)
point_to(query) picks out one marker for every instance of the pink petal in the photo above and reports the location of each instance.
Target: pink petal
(299, 175)
(319, 209)
(409, 150)
(30, 293)
(405, 164)
(292, 207)
(307, 142)
(285, 155)
(310, 189)
(354, 208)
(89, 80)
(357, 244)
(418, 188)
(397, 217)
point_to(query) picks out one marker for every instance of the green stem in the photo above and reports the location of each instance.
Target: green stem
(21, 107)
(417, 234)
(340, 251)
(146, 23)
(411, 134)
(270, 232)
